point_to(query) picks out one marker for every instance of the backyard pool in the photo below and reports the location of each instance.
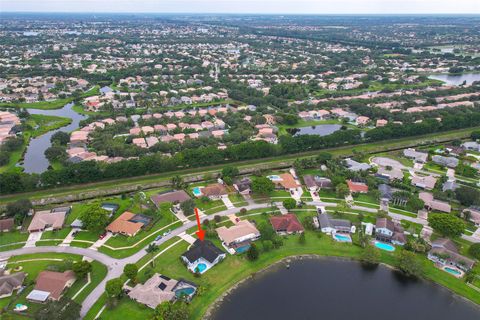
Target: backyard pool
(184, 292)
(196, 191)
(242, 249)
(342, 238)
(384, 246)
(201, 268)
(274, 178)
(453, 271)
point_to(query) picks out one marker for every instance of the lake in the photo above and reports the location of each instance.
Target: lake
(333, 289)
(320, 130)
(34, 158)
(456, 80)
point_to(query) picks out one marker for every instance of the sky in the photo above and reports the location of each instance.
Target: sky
(246, 6)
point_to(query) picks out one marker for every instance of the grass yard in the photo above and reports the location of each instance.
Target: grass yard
(237, 200)
(12, 237)
(59, 234)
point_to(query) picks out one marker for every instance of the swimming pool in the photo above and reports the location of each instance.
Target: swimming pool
(453, 271)
(196, 191)
(242, 249)
(342, 238)
(384, 246)
(274, 178)
(201, 268)
(184, 291)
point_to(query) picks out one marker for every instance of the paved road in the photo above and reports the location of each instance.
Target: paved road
(115, 266)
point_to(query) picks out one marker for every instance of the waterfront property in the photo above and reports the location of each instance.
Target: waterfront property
(237, 238)
(160, 288)
(388, 231)
(286, 224)
(445, 254)
(202, 255)
(331, 226)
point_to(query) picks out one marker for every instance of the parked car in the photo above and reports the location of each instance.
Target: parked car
(166, 233)
(103, 235)
(158, 237)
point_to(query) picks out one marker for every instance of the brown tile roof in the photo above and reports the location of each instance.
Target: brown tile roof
(288, 182)
(54, 282)
(216, 189)
(242, 229)
(43, 219)
(286, 223)
(173, 196)
(124, 226)
(357, 186)
(10, 282)
(7, 224)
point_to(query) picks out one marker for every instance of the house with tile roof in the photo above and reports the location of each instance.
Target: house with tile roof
(286, 224)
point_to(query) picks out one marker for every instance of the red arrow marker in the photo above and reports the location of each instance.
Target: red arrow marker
(200, 233)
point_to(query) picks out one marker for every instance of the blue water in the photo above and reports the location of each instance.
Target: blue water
(201, 267)
(242, 249)
(196, 191)
(452, 271)
(274, 178)
(342, 238)
(384, 246)
(184, 291)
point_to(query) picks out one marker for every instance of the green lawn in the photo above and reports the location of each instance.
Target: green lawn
(12, 237)
(237, 200)
(60, 234)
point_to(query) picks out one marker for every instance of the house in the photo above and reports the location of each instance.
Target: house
(175, 197)
(362, 120)
(330, 225)
(126, 224)
(311, 183)
(420, 157)
(471, 145)
(445, 253)
(385, 192)
(160, 288)
(214, 191)
(449, 185)
(7, 224)
(323, 183)
(474, 215)
(357, 187)
(238, 236)
(433, 204)
(51, 285)
(381, 123)
(427, 182)
(286, 181)
(450, 162)
(48, 219)
(202, 255)
(355, 166)
(389, 231)
(286, 224)
(389, 173)
(10, 283)
(243, 186)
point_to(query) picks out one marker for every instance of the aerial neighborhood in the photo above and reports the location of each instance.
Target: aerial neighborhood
(150, 164)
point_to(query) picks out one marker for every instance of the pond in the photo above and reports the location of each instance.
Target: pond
(456, 79)
(34, 158)
(340, 289)
(320, 130)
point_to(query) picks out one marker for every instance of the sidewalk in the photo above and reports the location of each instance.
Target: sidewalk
(101, 242)
(32, 239)
(68, 239)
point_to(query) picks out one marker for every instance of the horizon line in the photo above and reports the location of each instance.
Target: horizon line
(243, 13)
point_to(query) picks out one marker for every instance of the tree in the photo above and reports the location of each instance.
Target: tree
(63, 309)
(56, 153)
(407, 262)
(289, 203)
(171, 311)
(131, 271)
(61, 138)
(19, 209)
(302, 240)
(267, 245)
(415, 203)
(468, 196)
(82, 268)
(324, 157)
(188, 207)
(113, 288)
(262, 185)
(470, 276)
(342, 190)
(230, 171)
(95, 218)
(252, 252)
(474, 250)
(475, 135)
(151, 249)
(370, 256)
(446, 224)
(177, 182)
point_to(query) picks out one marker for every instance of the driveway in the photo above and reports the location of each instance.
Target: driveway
(33, 238)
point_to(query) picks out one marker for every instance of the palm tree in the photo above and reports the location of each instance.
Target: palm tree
(151, 249)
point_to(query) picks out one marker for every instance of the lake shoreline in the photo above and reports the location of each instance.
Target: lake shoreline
(271, 268)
